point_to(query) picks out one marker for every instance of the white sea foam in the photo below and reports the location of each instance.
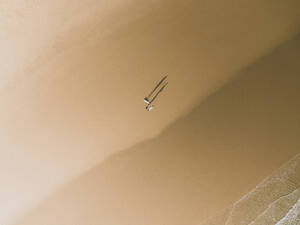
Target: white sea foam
(269, 202)
(292, 217)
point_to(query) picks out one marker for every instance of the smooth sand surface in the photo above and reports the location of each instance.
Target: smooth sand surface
(200, 164)
(73, 75)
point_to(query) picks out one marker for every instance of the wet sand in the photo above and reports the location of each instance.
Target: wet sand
(275, 201)
(200, 164)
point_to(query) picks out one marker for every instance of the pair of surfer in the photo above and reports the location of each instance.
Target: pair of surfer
(149, 100)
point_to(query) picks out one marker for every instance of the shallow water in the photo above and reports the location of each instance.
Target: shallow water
(275, 201)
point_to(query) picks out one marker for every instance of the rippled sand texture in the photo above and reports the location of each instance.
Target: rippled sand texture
(275, 201)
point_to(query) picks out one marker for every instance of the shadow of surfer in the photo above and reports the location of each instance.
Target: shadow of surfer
(147, 100)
